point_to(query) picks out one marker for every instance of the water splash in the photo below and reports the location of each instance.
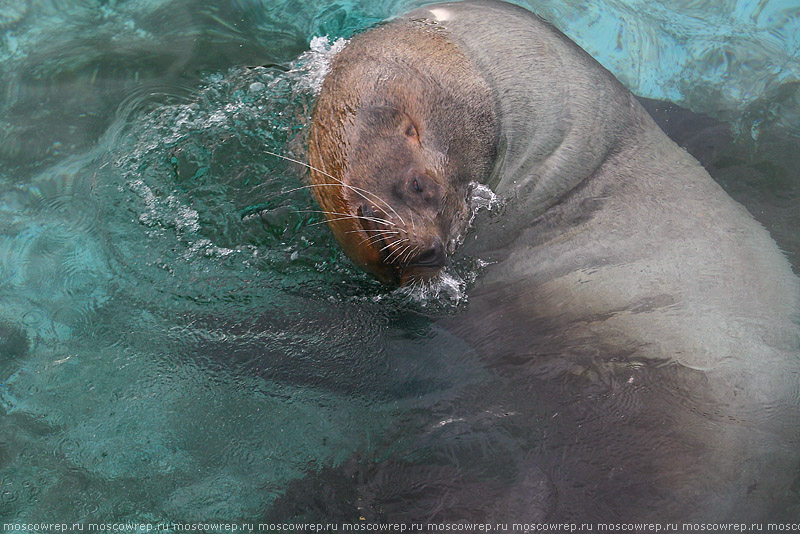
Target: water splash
(312, 66)
(448, 291)
(481, 197)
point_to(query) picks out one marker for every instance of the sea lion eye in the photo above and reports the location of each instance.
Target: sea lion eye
(411, 131)
(416, 185)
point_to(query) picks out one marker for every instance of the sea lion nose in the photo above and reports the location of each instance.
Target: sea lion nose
(433, 256)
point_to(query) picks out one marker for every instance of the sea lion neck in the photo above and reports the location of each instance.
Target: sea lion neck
(549, 111)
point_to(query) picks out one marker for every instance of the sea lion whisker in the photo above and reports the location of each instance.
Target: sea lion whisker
(373, 239)
(376, 238)
(407, 255)
(387, 221)
(416, 286)
(370, 230)
(389, 259)
(402, 251)
(393, 261)
(349, 217)
(400, 240)
(341, 182)
(392, 253)
(408, 291)
(344, 216)
(309, 186)
(354, 188)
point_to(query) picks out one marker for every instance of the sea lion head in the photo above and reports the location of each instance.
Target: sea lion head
(402, 126)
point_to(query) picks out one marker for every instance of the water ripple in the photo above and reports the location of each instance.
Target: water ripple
(184, 353)
(12, 11)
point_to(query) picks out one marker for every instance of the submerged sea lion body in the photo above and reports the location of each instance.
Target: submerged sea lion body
(627, 294)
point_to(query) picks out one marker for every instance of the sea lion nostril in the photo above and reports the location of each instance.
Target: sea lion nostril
(433, 256)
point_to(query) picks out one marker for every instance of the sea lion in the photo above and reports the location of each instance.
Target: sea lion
(626, 293)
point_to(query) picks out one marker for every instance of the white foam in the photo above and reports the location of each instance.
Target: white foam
(168, 213)
(312, 66)
(482, 197)
(447, 288)
(441, 14)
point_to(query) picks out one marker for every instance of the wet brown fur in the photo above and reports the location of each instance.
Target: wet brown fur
(386, 79)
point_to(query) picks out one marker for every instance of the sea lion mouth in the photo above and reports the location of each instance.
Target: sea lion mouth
(413, 273)
(400, 261)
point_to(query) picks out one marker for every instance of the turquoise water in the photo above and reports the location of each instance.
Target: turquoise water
(179, 339)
